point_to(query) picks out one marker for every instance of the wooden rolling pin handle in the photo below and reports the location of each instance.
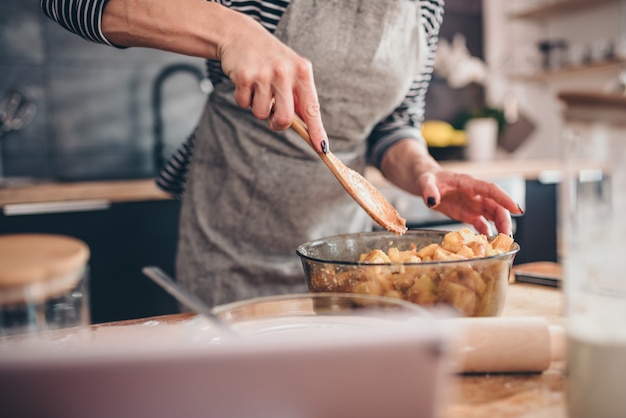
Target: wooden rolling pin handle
(557, 338)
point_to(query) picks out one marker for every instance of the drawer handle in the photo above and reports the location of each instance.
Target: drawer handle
(56, 207)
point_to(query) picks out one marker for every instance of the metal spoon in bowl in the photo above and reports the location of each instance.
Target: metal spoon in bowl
(188, 299)
(357, 186)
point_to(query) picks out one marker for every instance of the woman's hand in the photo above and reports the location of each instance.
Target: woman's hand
(468, 199)
(269, 77)
(458, 196)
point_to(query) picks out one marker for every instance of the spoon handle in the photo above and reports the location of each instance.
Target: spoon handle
(300, 128)
(188, 299)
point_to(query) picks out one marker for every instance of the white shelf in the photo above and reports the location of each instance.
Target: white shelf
(570, 71)
(557, 7)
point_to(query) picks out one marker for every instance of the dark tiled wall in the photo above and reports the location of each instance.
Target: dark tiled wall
(94, 116)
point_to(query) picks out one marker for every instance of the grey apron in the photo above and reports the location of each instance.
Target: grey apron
(253, 195)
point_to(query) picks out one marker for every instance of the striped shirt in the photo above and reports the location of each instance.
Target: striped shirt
(84, 17)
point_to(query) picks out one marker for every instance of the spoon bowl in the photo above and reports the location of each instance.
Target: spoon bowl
(357, 186)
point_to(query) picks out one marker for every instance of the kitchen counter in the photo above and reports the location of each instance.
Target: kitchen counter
(111, 191)
(529, 169)
(145, 189)
(528, 395)
(536, 169)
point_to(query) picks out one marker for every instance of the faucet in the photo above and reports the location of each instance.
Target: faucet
(16, 111)
(205, 87)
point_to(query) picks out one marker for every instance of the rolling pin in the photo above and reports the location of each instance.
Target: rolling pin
(505, 344)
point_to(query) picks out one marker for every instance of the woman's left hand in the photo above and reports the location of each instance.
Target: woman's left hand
(459, 196)
(468, 200)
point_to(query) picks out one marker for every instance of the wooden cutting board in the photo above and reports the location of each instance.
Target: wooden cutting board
(545, 273)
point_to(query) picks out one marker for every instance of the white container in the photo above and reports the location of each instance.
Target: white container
(482, 139)
(43, 284)
(593, 228)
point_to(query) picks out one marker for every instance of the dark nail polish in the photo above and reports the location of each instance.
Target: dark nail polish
(324, 147)
(431, 202)
(520, 209)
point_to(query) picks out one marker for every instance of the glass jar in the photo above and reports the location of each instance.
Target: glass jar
(593, 231)
(43, 284)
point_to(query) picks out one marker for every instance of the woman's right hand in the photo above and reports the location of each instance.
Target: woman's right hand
(269, 77)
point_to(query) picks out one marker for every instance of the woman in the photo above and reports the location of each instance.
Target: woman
(254, 190)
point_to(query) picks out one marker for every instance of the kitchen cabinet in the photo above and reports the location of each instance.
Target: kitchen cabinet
(537, 231)
(123, 237)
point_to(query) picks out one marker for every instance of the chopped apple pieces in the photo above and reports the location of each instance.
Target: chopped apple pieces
(475, 287)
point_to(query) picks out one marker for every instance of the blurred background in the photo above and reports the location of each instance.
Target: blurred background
(100, 110)
(105, 113)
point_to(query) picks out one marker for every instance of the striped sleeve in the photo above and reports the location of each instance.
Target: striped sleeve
(266, 12)
(82, 17)
(406, 120)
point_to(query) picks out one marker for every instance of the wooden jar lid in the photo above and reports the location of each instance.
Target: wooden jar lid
(42, 260)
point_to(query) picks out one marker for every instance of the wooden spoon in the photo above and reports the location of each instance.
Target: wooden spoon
(364, 192)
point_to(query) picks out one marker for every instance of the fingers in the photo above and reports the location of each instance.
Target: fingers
(269, 97)
(281, 97)
(283, 108)
(307, 103)
(276, 93)
(488, 190)
(482, 226)
(243, 95)
(430, 191)
(499, 215)
(480, 215)
(262, 102)
(503, 221)
(313, 120)
(469, 200)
